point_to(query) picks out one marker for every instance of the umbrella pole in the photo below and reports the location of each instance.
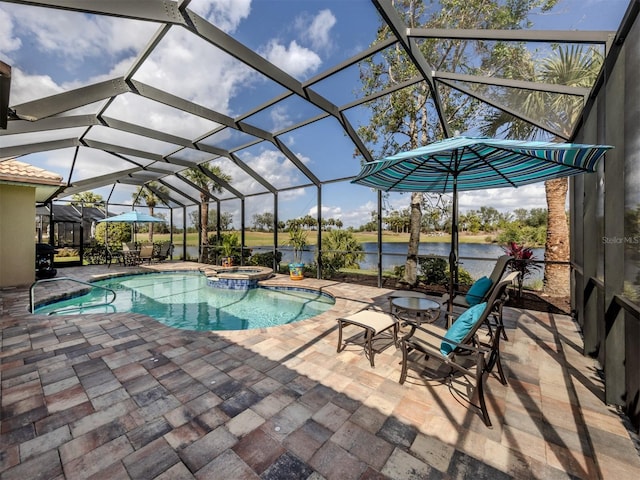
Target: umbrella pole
(453, 255)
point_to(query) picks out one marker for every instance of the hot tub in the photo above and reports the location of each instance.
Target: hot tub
(236, 278)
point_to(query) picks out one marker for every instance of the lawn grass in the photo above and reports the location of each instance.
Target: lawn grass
(265, 239)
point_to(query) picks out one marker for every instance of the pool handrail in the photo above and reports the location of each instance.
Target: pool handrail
(32, 304)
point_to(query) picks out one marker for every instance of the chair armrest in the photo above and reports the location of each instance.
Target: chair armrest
(408, 337)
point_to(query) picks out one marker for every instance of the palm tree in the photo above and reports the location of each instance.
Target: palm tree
(150, 200)
(87, 199)
(201, 179)
(341, 249)
(571, 66)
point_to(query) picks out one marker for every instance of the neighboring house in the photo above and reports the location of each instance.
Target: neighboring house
(70, 224)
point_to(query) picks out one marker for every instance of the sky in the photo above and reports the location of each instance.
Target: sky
(52, 51)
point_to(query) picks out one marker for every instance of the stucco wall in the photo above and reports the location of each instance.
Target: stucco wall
(17, 237)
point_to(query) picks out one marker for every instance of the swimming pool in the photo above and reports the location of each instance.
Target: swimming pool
(183, 300)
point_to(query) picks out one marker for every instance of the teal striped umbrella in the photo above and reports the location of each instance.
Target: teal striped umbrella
(472, 163)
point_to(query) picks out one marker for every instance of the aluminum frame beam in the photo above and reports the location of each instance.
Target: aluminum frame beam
(63, 102)
(149, 10)
(19, 150)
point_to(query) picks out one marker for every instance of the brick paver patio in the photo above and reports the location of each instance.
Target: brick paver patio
(121, 396)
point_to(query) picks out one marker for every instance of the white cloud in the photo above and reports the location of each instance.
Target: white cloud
(8, 40)
(361, 214)
(327, 211)
(291, 195)
(181, 52)
(275, 168)
(225, 14)
(62, 44)
(296, 60)
(75, 35)
(505, 199)
(280, 118)
(318, 32)
(25, 88)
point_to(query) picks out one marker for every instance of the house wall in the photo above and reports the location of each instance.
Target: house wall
(17, 243)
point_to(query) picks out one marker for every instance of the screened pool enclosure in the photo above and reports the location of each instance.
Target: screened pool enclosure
(279, 97)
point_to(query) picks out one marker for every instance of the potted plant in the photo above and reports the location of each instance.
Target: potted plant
(522, 263)
(297, 240)
(228, 246)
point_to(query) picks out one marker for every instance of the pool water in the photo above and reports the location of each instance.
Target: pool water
(183, 300)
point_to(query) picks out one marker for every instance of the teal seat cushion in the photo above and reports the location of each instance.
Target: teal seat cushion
(461, 327)
(477, 291)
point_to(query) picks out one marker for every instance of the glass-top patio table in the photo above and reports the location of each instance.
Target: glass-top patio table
(423, 309)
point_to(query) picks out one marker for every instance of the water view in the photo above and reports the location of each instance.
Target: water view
(395, 253)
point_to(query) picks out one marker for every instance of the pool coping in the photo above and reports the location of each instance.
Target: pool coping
(233, 273)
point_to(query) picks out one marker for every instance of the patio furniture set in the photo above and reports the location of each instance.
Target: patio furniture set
(129, 255)
(132, 256)
(411, 324)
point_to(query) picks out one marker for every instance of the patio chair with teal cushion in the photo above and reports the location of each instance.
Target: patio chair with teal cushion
(480, 291)
(459, 347)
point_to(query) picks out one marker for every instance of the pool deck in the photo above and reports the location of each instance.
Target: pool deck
(120, 396)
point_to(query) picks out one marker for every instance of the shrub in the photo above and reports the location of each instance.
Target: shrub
(521, 234)
(398, 271)
(434, 271)
(298, 241)
(115, 232)
(464, 277)
(264, 259)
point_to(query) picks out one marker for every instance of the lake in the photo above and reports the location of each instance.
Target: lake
(395, 254)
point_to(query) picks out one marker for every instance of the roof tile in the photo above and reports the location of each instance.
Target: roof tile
(20, 172)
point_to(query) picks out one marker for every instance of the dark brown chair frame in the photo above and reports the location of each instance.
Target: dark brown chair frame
(460, 300)
(427, 339)
(380, 325)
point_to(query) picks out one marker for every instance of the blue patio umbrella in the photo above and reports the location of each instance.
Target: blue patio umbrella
(476, 163)
(133, 217)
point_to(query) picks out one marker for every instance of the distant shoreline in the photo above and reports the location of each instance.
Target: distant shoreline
(263, 239)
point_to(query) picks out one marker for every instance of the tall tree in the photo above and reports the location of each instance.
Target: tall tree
(205, 182)
(406, 118)
(263, 221)
(87, 199)
(151, 200)
(567, 65)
